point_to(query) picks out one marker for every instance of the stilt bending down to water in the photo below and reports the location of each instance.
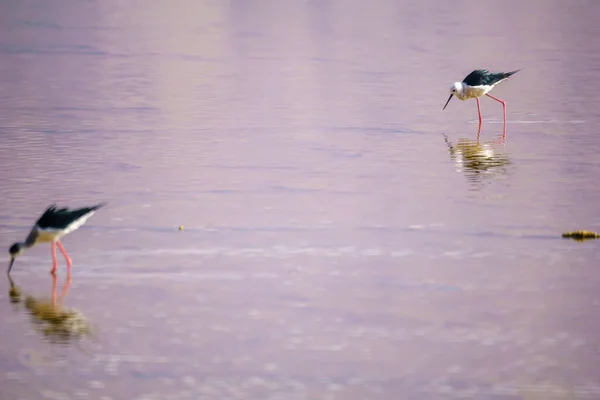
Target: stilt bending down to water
(478, 83)
(50, 227)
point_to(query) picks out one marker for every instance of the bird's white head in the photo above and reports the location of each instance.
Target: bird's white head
(456, 89)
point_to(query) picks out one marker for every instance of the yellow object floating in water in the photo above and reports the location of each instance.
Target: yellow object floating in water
(181, 227)
(581, 235)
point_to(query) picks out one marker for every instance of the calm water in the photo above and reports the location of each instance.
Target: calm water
(344, 238)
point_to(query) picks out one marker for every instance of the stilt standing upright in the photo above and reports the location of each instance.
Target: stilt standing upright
(477, 84)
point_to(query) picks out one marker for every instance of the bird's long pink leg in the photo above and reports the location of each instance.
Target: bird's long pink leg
(503, 107)
(478, 112)
(54, 260)
(67, 258)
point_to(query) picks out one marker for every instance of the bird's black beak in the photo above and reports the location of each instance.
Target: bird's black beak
(12, 261)
(449, 98)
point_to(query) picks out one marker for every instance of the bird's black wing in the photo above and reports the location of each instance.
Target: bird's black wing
(481, 77)
(477, 78)
(60, 218)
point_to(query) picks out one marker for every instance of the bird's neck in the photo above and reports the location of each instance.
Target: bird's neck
(462, 94)
(27, 243)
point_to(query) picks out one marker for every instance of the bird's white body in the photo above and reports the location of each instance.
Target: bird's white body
(76, 224)
(47, 235)
(464, 92)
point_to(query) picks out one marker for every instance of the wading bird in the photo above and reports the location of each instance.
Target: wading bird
(477, 84)
(50, 227)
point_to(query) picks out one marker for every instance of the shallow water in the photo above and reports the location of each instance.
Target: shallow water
(343, 237)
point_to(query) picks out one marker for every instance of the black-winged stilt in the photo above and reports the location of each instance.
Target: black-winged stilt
(50, 227)
(477, 84)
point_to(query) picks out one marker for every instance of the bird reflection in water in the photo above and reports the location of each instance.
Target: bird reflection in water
(56, 322)
(477, 160)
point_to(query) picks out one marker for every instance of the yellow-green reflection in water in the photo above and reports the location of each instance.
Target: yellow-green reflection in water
(477, 159)
(59, 324)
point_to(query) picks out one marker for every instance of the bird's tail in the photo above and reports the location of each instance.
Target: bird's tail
(507, 74)
(97, 206)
